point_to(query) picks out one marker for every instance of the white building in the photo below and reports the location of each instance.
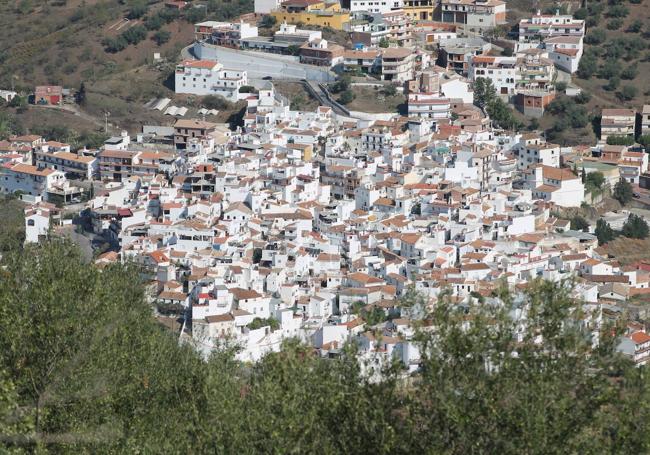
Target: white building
(560, 186)
(428, 105)
(376, 6)
(502, 71)
(30, 180)
(209, 77)
(543, 153)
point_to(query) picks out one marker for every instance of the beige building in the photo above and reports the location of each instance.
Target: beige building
(617, 122)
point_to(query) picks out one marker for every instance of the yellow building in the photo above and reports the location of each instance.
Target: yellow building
(419, 10)
(312, 12)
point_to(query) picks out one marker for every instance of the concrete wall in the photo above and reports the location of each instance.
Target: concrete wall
(259, 64)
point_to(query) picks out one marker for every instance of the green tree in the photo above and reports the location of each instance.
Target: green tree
(578, 223)
(630, 72)
(587, 67)
(595, 179)
(268, 21)
(161, 37)
(627, 92)
(619, 139)
(604, 232)
(615, 23)
(346, 97)
(644, 140)
(635, 227)
(596, 36)
(383, 42)
(484, 92)
(623, 191)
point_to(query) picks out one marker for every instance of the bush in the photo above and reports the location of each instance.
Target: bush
(346, 97)
(268, 21)
(630, 72)
(620, 140)
(135, 34)
(560, 86)
(389, 90)
(582, 97)
(613, 83)
(216, 102)
(114, 45)
(635, 227)
(618, 11)
(138, 10)
(623, 192)
(578, 223)
(635, 27)
(161, 37)
(596, 36)
(580, 13)
(627, 93)
(615, 24)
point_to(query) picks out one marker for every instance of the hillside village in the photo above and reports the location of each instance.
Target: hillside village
(335, 224)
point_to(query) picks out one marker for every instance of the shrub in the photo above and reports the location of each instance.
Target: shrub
(161, 37)
(135, 34)
(623, 192)
(635, 27)
(580, 13)
(635, 227)
(620, 140)
(618, 11)
(137, 10)
(596, 36)
(615, 24)
(630, 72)
(612, 84)
(346, 97)
(216, 102)
(627, 93)
(582, 97)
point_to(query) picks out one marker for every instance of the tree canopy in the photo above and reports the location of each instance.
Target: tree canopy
(85, 367)
(623, 192)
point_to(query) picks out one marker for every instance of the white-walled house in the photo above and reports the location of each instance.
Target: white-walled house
(560, 186)
(209, 77)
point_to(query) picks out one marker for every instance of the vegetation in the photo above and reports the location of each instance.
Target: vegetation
(618, 139)
(604, 232)
(623, 191)
(215, 102)
(98, 374)
(258, 323)
(12, 224)
(578, 223)
(635, 227)
(485, 97)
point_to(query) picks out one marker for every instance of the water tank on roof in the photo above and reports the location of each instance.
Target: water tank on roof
(359, 46)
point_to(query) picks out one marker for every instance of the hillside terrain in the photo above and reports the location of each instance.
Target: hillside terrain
(106, 45)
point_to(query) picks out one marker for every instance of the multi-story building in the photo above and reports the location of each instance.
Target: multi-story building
(73, 165)
(538, 153)
(645, 119)
(366, 61)
(209, 77)
(545, 26)
(119, 165)
(560, 186)
(428, 105)
(312, 12)
(617, 122)
(397, 64)
(375, 6)
(455, 54)
(321, 52)
(187, 129)
(227, 34)
(30, 180)
(565, 51)
(502, 71)
(419, 10)
(474, 14)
